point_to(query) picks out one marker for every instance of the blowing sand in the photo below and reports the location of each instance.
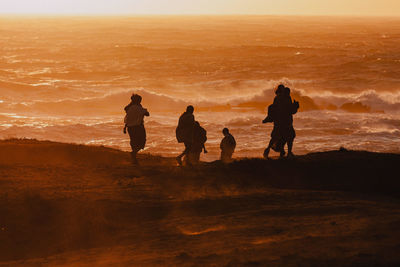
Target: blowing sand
(74, 205)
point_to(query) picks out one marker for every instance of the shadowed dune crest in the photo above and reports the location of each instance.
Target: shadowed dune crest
(331, 170)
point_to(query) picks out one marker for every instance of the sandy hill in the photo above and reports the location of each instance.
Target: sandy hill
(66, 204)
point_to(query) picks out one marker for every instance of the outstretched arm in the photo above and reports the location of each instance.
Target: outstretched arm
(295, 106)
(265, 120)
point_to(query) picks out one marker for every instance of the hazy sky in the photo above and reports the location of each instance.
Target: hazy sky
(297, 7)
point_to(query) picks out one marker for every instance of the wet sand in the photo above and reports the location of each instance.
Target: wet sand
(75, 205)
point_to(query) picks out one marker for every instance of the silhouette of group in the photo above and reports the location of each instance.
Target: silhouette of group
(281, 114)
(193, 136)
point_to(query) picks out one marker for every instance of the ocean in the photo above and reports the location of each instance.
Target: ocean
(68, 79)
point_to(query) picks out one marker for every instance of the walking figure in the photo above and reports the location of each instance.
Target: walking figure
(198, 144)
(184, 131)
(281, 114)
(134, 124)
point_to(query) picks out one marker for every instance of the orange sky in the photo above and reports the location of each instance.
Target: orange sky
(293, 7)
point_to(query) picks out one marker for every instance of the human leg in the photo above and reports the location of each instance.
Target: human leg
(184, 153)
(290, 142)
(137, 135)
(290, 147)
(266, 151)
(282, 152)
(131, 132)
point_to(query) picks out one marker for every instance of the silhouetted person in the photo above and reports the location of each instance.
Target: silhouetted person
(272, 109)
(228, 145)
(134, 122)
(127, 108)
(198, 144)
(281, 114)
(276, 142)
(184, 131)
(285, 121)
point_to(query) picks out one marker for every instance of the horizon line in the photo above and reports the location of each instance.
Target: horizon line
(188, 15)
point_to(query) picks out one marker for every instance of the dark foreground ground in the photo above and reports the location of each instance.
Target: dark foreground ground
(71, 205)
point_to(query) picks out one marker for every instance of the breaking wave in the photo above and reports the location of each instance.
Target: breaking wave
(113, 103)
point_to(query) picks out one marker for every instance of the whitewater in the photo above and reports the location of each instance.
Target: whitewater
(68, 79)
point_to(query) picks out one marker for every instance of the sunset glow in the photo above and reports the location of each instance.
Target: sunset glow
(292, 7)
(199, 132)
